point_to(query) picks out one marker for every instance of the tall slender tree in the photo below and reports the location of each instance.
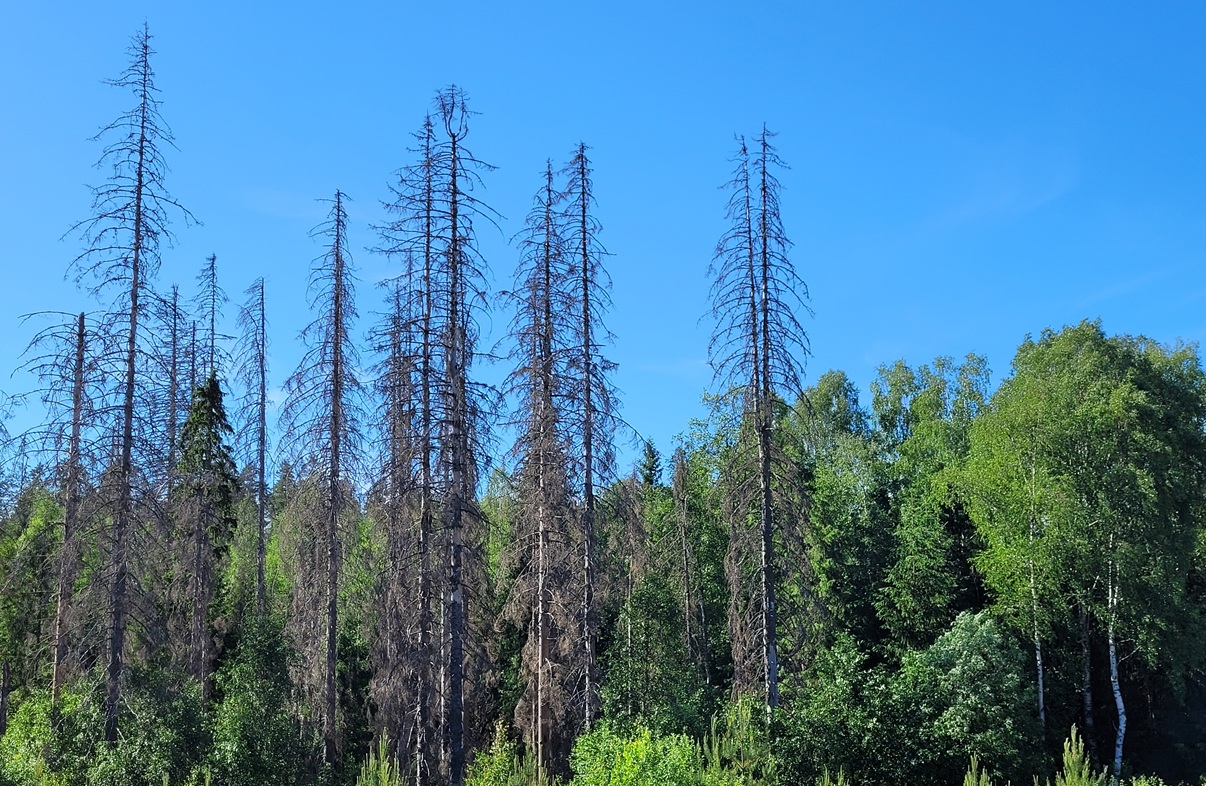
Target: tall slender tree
(415, 238)
(759, 347)
(122, 238)
(209, 301)
(64, 357)
(590, 399)
(397, 669)
(207, 489)
(462, 294)
(322, 417)
(252, 371)
(543, 588)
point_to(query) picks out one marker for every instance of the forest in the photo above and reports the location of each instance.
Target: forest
(405, 573)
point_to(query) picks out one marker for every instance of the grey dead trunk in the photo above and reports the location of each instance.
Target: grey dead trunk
(71, 495)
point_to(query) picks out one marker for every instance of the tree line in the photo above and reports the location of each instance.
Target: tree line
(808, 587)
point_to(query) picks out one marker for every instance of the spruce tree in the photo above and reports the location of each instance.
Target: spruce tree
(322, 423)
(758, 347)
(122, 239)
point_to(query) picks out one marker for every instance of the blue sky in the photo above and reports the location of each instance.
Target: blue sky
(963, 174)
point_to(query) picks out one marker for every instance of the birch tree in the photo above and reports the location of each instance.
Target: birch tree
(1086, 476)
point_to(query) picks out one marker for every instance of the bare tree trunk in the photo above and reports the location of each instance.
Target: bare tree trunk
(1086, 685)
(119, 560)
(1119, 704)
(426, 707)
(337, 436)
(67, 557)
(765, 418)
(4, 689)
(261, 451)
(542, 638)
(1038, 666)
(589, 382)
(458, 456)
(173, 424)
(200, 591)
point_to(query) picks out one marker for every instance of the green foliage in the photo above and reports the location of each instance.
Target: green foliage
(29, 539)
(49, 745)
(207, 470)
(605, 758)
(163, 736)
(648, 682)
(966, 695)
(1146, 780)
(924, 418)
(847, 515)
(1077, 769)
(973, 699)
(255, 737)
(828, 780)
(738, 745)
(976, 776)
(379, 768)
(503, 765)
(837, 719)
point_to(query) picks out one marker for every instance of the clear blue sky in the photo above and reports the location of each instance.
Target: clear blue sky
(963, 173)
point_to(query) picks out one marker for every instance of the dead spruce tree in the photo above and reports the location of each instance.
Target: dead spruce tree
(405, 686)
(429, 344)
(322, 424)
(461, 296)
(757, 349)
(591, 407)
(400, 673)
(123, 239)
(251, 370)
(65, 359)
(542, 599)
(208, 306)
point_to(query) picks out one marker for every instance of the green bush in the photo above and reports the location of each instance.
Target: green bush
(966, 695)
(502, 765)
(162, 736)
(163, 733)
(1077, 769)
(48, 746)
(255, 737)
(604, 758)
(379, 768)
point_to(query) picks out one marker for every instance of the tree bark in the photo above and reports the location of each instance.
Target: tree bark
(1119, 704)
(67, 557)
(337, 435)
(1086, 686)
(4, 689)
(765, 419)
(119, 561)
